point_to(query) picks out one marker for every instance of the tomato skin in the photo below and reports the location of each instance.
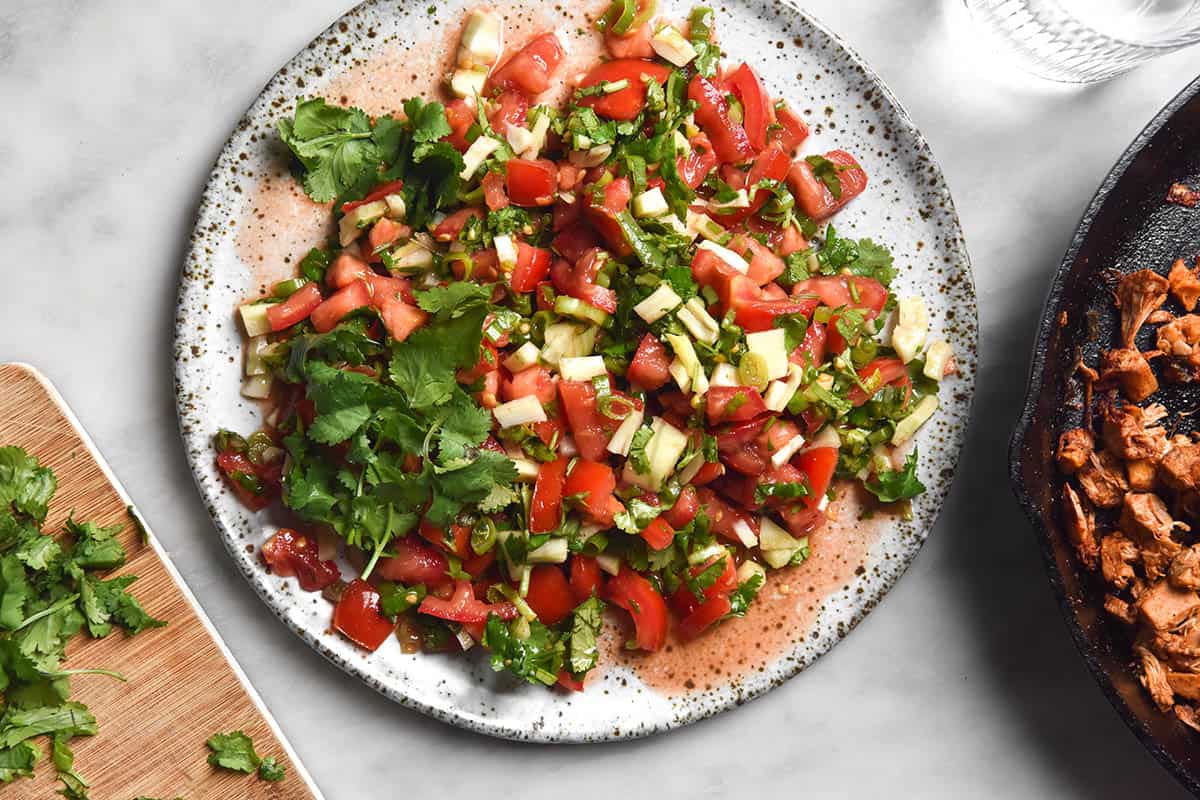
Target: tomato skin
(344, 301)
(819, 465)
(383, 233)
(765, 266)
(835, 291)
(586, 577)
(380, 192)
(635, 594)
(723, 517)
(707, 613)
(462, 606)
(748, 400)
(358, 618)
(401, 319)
(728, 138)
(413, 561)
(628, 102)
(530, 69)
(296, 308)
(815, 198)
(892, 372)
(596, 482)
(291, 553)
(569, 681)
(533, 265)
(757, 110)
(684, 602)
(658, 534)
(634, 43)
(651, 365)
(708, 473)
(531, 182)
(590, 429)
(687, 505)
(549, 594)
(545, 511)
(792, 130)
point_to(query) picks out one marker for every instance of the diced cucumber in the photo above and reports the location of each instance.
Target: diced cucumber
(257, 349)
(713, 551)
(663, 450)
(650, 203)
(481, 43)
(704, 225)
(412, 256)
(741, 199)
(581, 368)
(521, 411)
(351, 225)
(679, 371)
(522, 358)
(684, 351)
(552, 552)
(527, 469)
(772, 537)
(780, 392)
(257, 387)
(912, 325)
(254, 318)
(519, 139)
(725, 375)
(591, 157)
(672, 46)
(748, 570)
(567, 339)
(661, 301)
(745, 533)
(906, 427)
(772, 346)
(937, 357)
(609, 563)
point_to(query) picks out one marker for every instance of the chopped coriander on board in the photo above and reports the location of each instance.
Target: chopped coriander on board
(49, 591)
(234, 751)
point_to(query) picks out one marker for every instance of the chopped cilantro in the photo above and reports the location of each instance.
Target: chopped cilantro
(891, 486)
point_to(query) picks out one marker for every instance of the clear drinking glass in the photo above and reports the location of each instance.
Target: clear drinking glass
(1081, 41)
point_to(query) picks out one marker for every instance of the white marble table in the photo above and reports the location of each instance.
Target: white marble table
(963, 683)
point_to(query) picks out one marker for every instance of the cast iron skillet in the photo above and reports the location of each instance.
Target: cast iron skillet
(1127, 227)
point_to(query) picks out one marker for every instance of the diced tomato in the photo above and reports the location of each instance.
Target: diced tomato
(835, 291)
(580, 281)
(290, 553)
(791, 130)
(569, 681)
(344, 301)
(712, 114)
(708, 473)
(733, 404)
(701, 160)
(811, 349)
(573, 241)
(536, 380)
(476, 566)
(494, 194)
(549, 594)
(345, 270)
(765, 266)
(242, 476)
(710, 611)
(531, 182)
(626, 103)
(590, 429)
(818, 464)
(413, 561)
(757, 111)
(793, 241)
(816, 199)
(448, 229)
(489, 360)
(759, 315)
(723, 518)
(684, 601)
(458, 543)
(401, 319)
(533, 265)
(739, 449)
(461, 117)
(658, 534)
(771, 164)
(296, 308)
(651, 365)
(892, 372)
(482, 266)
(634, 43)
(595, 482)
(358, 617)
(383, 233)
(685, 509)
(530, 69)
(586, 578)
(509, 108)
(380, 192)
(603, 216)
(635, 594)
(709, 269)
(462, 606)
(545, 511)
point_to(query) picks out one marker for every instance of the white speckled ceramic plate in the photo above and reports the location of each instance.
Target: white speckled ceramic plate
(253, 224)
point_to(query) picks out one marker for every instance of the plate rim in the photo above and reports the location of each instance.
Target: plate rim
(955, 245)
(1036, 385)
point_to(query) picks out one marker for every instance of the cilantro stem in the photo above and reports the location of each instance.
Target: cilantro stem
(68, 672)
(60, 605)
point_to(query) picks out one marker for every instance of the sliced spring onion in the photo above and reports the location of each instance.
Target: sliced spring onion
(577, 309)
(785, 453)
(622, 439)
(521, 411)
(522, 358)
(661, 302)
(582, 368)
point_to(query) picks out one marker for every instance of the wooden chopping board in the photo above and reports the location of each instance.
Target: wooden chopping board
(183, 684)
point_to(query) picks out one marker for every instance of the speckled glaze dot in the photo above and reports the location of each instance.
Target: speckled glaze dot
(253, 225)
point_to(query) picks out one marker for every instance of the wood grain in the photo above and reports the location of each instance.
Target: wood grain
(182, 686)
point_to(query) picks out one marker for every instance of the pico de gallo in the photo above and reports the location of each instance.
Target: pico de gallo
(608, 354)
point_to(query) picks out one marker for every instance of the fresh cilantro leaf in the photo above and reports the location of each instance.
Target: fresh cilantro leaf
(711, 455)
(741, 597)
(708, 54)
(705, 578)
(428, 120)
(636, 516)
(585, 629)
(642, 245)
(233, 751)
(507, 220)
(891, 486)
(334, 144)
(465, 425)
(795, 326)
(15, 591)
(314, 264)
(25, 486)
(780, 491)
(271, 770)
(827, 172)
(536, 658)
(795, 269)
(431, 181)
(348, 342)
(470, 483)
(18, 761)
(70, 718)
(420, 368)
(681, 281)
(874, 261)
(454, 300)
